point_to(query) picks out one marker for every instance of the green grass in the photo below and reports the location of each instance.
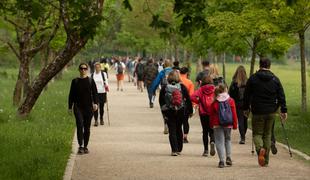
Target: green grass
(298, 124)
(39, 146)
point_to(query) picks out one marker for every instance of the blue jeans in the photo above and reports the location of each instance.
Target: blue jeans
(151, 94)
(222, 137)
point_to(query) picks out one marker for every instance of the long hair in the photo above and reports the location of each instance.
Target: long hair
(240, 76)
(214, 71)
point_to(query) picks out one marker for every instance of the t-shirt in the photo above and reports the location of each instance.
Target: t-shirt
(100, 83)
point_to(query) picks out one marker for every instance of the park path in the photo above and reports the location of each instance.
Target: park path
(134, 147)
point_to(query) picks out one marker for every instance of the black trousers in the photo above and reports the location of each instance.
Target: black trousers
(185, 124)
(83, 120)
(242, 123)
(175, 121)
(102, 97)
(207, 131)
(273, 138)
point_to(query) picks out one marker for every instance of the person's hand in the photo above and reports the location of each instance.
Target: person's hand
(95, 107)
(283, 117)
(246, 113)
(70, 112)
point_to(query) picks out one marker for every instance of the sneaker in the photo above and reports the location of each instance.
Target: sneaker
(96, 123)
(185, 140)
(205, 153)
(212, 151)
(86, 151)
(179, 153)
(151, 105)
(166, 131)
(274, 149)
(101, 121)
(174, 154)
(261, 157)
(80, 151)
(242, 142)
(221, 164)
(228, 161)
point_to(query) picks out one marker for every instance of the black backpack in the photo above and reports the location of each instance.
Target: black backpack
(120, 68)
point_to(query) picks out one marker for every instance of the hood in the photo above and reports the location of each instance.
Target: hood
(207, 89)
(222, 97)
(265, 75)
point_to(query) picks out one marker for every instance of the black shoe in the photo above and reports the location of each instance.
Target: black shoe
(242, 142)
(185, 140)
(228, 161)
(86, 151)
(221, 164)
(80, 151)
(151, 105)
(205, 153)
(274, 149)
(96, 122)
(101, 121)
(174, 154)
(212, 151)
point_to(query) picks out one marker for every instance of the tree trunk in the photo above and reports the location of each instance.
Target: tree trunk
(253, 57)
(22, 83)
(47, 73)
(198, 65)
(303, 72)
(224, 66)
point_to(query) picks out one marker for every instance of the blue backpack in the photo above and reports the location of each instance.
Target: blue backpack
(225, 113)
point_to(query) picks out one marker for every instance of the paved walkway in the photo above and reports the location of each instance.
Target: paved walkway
(134, 147)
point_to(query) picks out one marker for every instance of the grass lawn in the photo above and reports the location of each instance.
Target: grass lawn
(298, 124)
(38, 147)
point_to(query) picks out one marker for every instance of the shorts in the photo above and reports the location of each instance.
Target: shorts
(120, 77)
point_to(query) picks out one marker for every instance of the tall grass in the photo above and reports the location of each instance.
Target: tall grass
(298, 124)
(37, 147)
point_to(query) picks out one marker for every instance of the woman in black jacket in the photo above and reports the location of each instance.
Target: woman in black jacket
(236, 91)
(175, 102)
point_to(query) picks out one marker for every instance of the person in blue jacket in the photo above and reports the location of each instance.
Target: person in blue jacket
(161, 79)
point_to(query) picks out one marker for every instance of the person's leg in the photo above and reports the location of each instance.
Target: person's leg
(79, 125)
(219, 138)
(273, 147)
(258, 131)
(179, 131)
(204, 125)
(172, 126)
(87, 121)
(122, 84)
(211, 135)
(241, 126)
(118, 82)
(227, 133)
(185, 127)
(96, 117)
(269, 122)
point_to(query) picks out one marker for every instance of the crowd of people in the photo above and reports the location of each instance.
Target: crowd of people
(221, 108)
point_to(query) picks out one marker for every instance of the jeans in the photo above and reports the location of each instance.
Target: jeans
(83, 120)
(222, 137)
(242, 123)
(262, 128)
(206, 131)
(151, 95)
(175, 121)
(102, 97)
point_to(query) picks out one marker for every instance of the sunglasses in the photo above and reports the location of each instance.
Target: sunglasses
(83, 68)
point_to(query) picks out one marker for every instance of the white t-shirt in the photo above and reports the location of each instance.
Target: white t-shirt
(99, 82)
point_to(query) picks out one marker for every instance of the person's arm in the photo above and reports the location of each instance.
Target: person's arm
(195, 97)
(233, 91)
(281, 97)
(189, 106)
(157, 80)
(94, 92)
(234, 113)
(106, 78)
(71, 95)
(162, 101)
(247, 95)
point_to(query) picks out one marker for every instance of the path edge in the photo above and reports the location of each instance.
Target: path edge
(71, 160)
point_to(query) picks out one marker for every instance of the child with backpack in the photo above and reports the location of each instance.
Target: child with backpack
(204, 98)
(173, 98)
(223, 119)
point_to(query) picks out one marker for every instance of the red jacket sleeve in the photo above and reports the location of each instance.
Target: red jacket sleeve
(234, 112)
(213, 115)
(195, 97)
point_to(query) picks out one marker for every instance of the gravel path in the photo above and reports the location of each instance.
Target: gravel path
(134, 147)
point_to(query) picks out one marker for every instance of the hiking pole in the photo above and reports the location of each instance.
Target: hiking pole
(108, 113)
(286, 138)
(252, 151)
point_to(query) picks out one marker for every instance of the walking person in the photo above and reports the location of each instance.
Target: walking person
(204, 72)
(184, 73)
(223, 119)
(101, 79)
(173, 98)
(236, 91)
(161, 79)
(150, 73)
(83, 100)
(204, 97)
(139, 71)
(120, 71)
(263, 96)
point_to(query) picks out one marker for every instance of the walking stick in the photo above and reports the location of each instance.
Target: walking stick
(252, 151)
(286, 138)
(108, 110)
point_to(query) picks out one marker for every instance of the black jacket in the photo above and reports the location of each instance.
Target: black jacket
(188, 107)
(264, 93)
(237, 93)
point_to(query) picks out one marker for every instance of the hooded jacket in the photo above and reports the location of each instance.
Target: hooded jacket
(204, 97)
(214, 117)
(264, 93)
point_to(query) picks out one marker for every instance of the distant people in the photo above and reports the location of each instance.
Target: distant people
(105, 67)
(150, 73)
(263, 96)
(130, 66)
(215, 75)
(101, 80)
(236, 91)
(223, 119)
(91, 65)
(161, 79)
(190, 88)
(120, 73)
(176, 65)
(160, 65)
(139, 71)
(83, 99)
(173, 98)
(204, 97)
(205, 72)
